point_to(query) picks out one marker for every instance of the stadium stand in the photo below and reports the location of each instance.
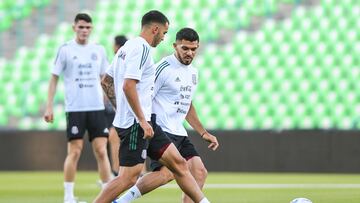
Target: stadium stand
(270, 78)
(11, 10)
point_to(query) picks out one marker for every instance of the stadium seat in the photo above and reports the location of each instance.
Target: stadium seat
(299, 73)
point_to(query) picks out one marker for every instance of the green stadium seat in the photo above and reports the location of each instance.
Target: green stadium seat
(274, 78)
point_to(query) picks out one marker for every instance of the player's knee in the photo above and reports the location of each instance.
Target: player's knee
(75, 154)
(101, 153)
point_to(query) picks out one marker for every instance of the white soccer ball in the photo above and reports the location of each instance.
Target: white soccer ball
(301, 200)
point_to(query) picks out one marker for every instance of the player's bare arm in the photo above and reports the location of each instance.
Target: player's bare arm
(107, 83)
(132, 97)
(49, 115)
(193, 119)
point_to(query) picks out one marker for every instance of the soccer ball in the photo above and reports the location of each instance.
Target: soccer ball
(301, 200)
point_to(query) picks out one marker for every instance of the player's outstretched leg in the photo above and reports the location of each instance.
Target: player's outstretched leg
(199, 172)
(172, 159)
(127, 177)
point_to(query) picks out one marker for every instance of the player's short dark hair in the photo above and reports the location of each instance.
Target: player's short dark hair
(187, 34)
(154, 16)
(120, 40)
(83, 16)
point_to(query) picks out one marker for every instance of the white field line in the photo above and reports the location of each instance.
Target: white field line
(224, 186)
(272, 186)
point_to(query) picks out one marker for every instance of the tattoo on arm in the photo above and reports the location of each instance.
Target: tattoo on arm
(107, 84)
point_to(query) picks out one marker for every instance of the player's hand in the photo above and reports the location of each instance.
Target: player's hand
(49, 115)
(148, 130)
(214, 144)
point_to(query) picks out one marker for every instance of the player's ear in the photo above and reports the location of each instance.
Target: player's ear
(73, 27)
(174, 45)
(155, 29)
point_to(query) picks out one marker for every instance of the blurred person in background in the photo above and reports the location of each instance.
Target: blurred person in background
(81, 63)
(114, 140)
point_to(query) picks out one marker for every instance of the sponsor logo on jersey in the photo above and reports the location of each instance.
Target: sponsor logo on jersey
(85, 85)
(185, 88)
(181, 111)
(74, 57)
(177, 79)
(84, 65)
(84, 73)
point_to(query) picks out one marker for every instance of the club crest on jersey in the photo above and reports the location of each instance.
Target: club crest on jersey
(94, 57)
(194, 80)
(143, 154)
(74, 130)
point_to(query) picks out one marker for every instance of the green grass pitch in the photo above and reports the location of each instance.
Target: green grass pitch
(46, 187)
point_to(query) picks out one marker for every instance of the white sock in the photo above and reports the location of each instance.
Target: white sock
(204, 200)
(132, 194)
(68, 190)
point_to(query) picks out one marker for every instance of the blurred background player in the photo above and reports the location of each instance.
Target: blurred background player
(82, 63)
(114, 141)
(175, 85)
(119, 41)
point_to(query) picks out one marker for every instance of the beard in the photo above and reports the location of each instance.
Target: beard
(156, 40)
(186, 62)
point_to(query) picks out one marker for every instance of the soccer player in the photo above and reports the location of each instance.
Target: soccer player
(82, 63)
(119, 41)
(133, 74)
(175, 85)
(114, 141)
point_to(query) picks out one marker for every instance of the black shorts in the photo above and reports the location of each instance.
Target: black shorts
(110, 114)
(183, 144)
(92, 121)
(134, 148)
(109, 119)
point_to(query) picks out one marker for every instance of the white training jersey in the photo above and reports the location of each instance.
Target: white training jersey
(82, 66)
(175, 84)
(132, 61)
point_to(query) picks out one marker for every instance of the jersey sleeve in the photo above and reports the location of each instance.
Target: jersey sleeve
(134, 62)
(104, 61)
(60, 61)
